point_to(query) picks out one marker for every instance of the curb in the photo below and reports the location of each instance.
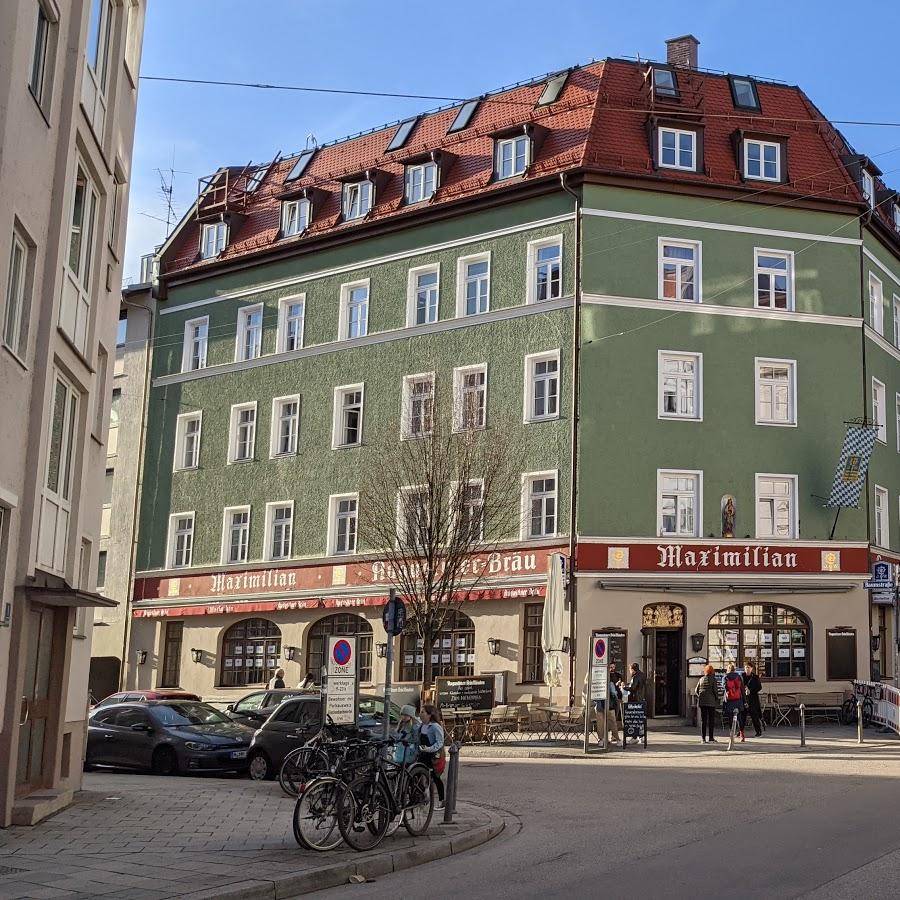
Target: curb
(339, 873)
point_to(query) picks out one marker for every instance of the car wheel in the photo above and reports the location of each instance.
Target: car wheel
(164, 761)
(260, 768)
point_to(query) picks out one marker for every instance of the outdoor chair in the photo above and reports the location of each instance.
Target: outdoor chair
(502, 722)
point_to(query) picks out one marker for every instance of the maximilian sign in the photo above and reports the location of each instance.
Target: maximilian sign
(675, 556)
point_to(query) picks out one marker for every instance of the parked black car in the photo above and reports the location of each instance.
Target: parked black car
(295, 721)
(255, 708)
(166, 737)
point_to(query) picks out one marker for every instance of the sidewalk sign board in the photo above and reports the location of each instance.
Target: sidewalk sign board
(341, 697)
(470, 692)
(634, 722)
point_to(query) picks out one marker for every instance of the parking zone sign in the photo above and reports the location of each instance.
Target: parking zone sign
(341, 685)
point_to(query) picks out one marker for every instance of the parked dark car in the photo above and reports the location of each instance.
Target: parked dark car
(295, 721)
(255, 708)
(138, 696)
(166, 737)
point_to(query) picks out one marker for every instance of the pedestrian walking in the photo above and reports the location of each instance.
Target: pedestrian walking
(636, 686)
(707, 692)
(431, 747)
(408, 729)
(276, 681)
(734, 698)
(307, 683)
(753, 686)
(616, 679)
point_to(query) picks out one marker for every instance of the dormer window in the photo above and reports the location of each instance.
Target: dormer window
(294, 217)
(868, 188)
(511, 156)
(897, 222)
(357, 199)
(213, 239)
(743, 93)
(421, 182)
(762, 160)
(665, 82)
(677, 149)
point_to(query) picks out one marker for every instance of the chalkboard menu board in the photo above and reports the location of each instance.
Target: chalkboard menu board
(471, 693)
(617, 642)
(634, 722)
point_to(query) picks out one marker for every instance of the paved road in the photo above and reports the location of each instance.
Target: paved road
(682, 821)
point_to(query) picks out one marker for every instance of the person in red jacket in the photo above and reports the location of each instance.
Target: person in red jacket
(734, 698)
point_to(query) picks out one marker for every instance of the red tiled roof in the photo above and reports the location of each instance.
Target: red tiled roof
(599, 123)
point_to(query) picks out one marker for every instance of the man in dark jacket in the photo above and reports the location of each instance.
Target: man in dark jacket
(636, 685)
(753, 686)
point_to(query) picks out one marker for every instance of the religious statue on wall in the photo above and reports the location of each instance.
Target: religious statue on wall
(728, 516)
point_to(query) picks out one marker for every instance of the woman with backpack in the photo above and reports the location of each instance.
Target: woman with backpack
(707, 692)
(734, 698)
(431, 746)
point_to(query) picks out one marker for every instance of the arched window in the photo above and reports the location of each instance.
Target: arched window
(251, 650)
(774, 638)
(343, 624)
(453, 652)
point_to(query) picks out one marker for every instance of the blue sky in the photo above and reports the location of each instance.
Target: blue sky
(841, 56)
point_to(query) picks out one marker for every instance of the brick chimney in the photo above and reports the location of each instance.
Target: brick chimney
(682, 51)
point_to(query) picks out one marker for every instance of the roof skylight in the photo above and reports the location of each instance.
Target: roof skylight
(401, 136)
(552, 89)
(743, 92)
(303, 160)
(464, 116)
(664, 82)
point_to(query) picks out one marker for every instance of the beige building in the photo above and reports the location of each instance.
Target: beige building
(123, 460)
(68, 92)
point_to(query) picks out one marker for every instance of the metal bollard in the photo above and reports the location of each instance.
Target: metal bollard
(802, 724)
(452, 781)
(859, 721)
(734, 721)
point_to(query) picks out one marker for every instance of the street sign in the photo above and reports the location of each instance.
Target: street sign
(600, 650)
(883, 598)
(393, 615)
(882, 578)
(341, 684)
(341, 656)
(597, 687)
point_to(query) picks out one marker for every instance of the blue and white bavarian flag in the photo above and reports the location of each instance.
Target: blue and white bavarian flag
(851, 471)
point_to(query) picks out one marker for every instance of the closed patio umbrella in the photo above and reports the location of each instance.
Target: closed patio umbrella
(552, 633)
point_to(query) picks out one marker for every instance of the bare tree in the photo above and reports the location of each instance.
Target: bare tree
(430, 503)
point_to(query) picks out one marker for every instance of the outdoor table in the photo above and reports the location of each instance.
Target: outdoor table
(554, 714)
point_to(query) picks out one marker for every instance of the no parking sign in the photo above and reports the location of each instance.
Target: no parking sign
(341, 696)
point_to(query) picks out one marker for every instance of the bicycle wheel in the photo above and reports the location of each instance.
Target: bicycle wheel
(299, 766)
(418, 800)
(315, 815)
(848, 712)
(868, 711)
(363, 813)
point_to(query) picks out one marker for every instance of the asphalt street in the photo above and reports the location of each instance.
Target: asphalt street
(694, 820)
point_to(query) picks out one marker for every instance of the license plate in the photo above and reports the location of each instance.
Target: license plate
(238, 754)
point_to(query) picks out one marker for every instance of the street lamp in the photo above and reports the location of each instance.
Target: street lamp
(381, 650)
(196, 655)
(290, 653)
(494, 646)
(141, 657)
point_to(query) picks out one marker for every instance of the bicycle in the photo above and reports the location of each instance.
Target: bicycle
(367, 805)
(305, 763)
(849, 711)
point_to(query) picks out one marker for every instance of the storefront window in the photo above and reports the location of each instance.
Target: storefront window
(775, 638)
(453, 651)
(251, 650)
(344, 624)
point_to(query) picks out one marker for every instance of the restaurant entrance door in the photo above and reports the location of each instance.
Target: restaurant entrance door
(664, 655)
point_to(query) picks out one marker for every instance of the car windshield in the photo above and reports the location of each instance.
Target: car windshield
(181, 714)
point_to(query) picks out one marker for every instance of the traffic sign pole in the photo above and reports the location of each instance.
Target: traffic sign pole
(389, 661)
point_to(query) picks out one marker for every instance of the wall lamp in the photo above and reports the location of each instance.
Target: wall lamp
(876, 642)
(196, 655)
(290, 653)
(494, 646)
(381, 650)
(697, 642)
(141, 657)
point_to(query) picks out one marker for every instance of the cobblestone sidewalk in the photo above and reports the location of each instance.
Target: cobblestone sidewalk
(148, 838)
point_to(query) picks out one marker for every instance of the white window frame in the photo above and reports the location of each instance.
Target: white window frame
(181, 423)
(402, 537)
(79, 283)
(337, 420)
(760, 361)
(411, 170)
(459, 375)
(211, 249)
(876, 303)
(301, 221)
(347, 199)
(697, 359)
(697, 474)
(227, 513)
(462, 263)
(879, 410)
(344, 313)
(896, 321)
(697, 247)
(531, 275)
(762, 165)
(332, 527)
(187, 354)
(882, 517)
(242, 329)
(454, 500)
(678, 132)
(514, 171)
(406, 411)
(795, 505)
(868, 188)
(762, 270)
(531, 359)
(412, 295)
(95, 79)
(17, 311)
(236, 410)
(528, 478)
(275, 430)
(269, 530)
(284, 305)
(172, 537)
